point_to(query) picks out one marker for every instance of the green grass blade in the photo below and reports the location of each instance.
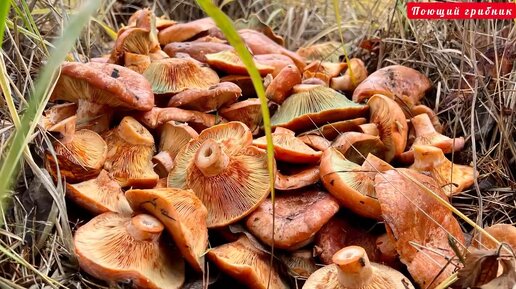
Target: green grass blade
(226, 25)
(338, 19)
(36, 104)
(4, 10)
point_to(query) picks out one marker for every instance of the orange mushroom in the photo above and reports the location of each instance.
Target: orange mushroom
(248, 111)
(298, 179)
(316, 142)
(157, 116)
(504, 233)
(330, 51)
(196, 49)
(354, 75)
(228, 61)
(355, 146)
(212, 98)
(278, 61)
(183, 31)
(281, 86)
(332, 130)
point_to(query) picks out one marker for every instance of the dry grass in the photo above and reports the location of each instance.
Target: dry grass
(484, 111)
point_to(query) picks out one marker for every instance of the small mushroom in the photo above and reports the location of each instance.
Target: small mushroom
(278, 61)
(427, 135)
(300, 263)
(173, 75)
(288, 148)
(353, 270)
(212, 98)
(182, 214)
(281, 86)
(130, 150)
(229, 62)
(351, 184)
(183, 31)
(246, 264)
(315, 105)
(298, 217)
(391, 123)
(132, 40)
(330, 51)
(504, 233)
(332, 130)
(453, 178)
(225, 171)
(323, 70)
(99, 195)
(196, 49)
(354, 75)
(355, 146)
(157, 116)
(117, 248)
(248, 112)
(297, 180)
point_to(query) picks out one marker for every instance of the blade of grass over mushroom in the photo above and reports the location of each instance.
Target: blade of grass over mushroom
(39, 98)
(341, 35)
(226, 25)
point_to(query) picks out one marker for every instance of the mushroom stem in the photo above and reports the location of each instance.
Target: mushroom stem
(210, 158)
(145, 227)
(355, 270)
(163, 163)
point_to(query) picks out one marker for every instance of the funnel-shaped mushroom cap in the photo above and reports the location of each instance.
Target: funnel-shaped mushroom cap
(352, 270)
(332, 130)
(354, 75)
(278, 61)
(228, 61)
(314, 106)
(115, 248)
(212, 98)
(391, 123)
(413, 216)
(281, 86)
(79, 159)
(300, 263)
(197, 120)
(183, 215)
(103, 83)
(130, 150)
(99, 195)
(184, 31)
(355, 146)
(350, 183)
(330, 51)
(504, 233)
(132, 40)
(451, 177)
(196, 50)
(427, 135)
(405, 85)
(246, 264)
(248, 112)
(298, 217)
(288, 148)
(297, 180)
(173, 75)
(316, 142)
(222, 168)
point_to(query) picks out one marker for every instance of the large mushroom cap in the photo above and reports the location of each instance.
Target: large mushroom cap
(183, 215)
(355, 146)
(197, 50)
(228, 174)
(103, 83)
(115, 248)
(212, 98)
(247, 264)
(228, 61)
(298, 217)
(314, 106)
(183, 31)
(352, 270)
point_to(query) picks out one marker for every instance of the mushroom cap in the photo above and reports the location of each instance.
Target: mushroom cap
(228, 61)
(414, 216)
(350, 183)
(405, 85)
(421, 108)
(453, 178)
(278, 61)
(369, 128)
(504, 233)
(331, 51)
(129, 157)
(300, 263)
(132, 40)
(288, 148)
(254, 22)
(80, 159)
(182, 214)
(117, 248)
(137, 62)
(197, 50)
(99, 195)
(56, 114)
(246, 264)
(157, 116)
(298, 217)
(244, 82)
(103, 83)
(332, 130)
(281, 86)
(391, 123)
(174, 136)
(173, 75)
(355, 146)
(238, 180)
(297, 180)
(212, 98)
(183, 31)
(316, 142)
(345, 82)
(317, 105)
(324, 68)
(248, 111)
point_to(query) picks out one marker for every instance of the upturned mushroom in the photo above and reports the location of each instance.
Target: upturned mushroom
(225, 171)
(281, 86)
(355, 73)
(355, 146)
(130, 150)
(182, 214)
(247, 265)
(229, 62)
(351, 184)
(288, 148)
(248, 111)
(116, 248)
(209, 99)
(453, 178)
(298, 217)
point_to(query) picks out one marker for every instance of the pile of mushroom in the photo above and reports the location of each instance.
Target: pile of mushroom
(162, 141)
